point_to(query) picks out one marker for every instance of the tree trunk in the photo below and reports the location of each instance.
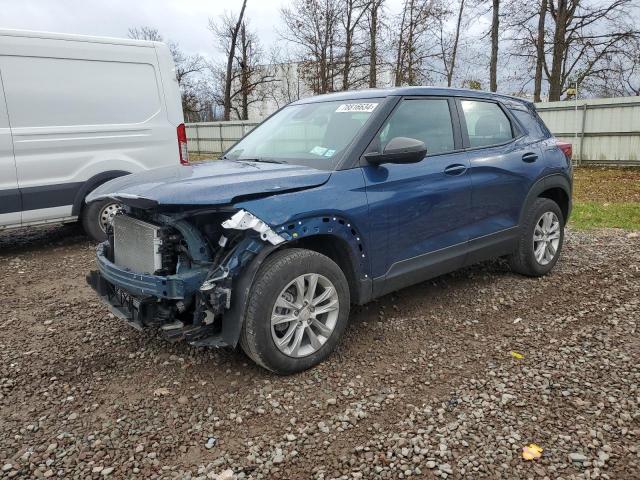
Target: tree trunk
(537, 87)
(244, 73)
(400, 51)
(347, 46)
(232, 52)
(373, 47)
(455, 46)
(559, 49)
(493, 64)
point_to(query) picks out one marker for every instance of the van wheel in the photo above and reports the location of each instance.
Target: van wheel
(95, 218)
(298, 309)
(540, 240)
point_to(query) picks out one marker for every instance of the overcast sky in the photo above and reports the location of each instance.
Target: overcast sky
(182, 21)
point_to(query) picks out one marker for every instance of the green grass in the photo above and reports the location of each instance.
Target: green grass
(606, 197)
(599, 214)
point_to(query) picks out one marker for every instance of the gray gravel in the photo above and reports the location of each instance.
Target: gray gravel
(423, 386)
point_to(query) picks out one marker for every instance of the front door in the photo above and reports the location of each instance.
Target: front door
(9, 194)
(419, 212)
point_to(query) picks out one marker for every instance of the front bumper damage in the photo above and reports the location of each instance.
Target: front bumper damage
(198, 302)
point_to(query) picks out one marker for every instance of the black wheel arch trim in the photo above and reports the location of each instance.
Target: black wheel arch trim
(555, 180)
(233, 319)
(91, 184)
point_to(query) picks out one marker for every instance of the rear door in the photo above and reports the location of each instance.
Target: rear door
(504, 163)
(9, 193)
(419, 212)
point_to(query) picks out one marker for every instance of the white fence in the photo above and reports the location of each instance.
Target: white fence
(602, 131)
(216, 137)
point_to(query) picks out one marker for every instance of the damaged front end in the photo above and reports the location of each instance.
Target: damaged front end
(187, 274)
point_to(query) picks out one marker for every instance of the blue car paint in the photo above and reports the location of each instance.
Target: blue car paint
(344, 195)
(399, 212)
(417, 208)
(500, 182)
(210, 183)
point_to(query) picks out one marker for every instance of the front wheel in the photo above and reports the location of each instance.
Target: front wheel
(298, 309)
(540, 240)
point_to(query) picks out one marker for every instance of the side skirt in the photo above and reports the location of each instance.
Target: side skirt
(433, 264)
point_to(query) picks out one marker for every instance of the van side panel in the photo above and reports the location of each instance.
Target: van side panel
(172, 95)
(78, 109)
(9, 194)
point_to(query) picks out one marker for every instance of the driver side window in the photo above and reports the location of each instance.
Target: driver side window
(428, 120)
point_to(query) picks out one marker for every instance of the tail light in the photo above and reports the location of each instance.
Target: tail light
(567, 149)
(182, 144)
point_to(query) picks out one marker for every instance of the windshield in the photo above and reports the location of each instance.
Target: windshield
(312, 134)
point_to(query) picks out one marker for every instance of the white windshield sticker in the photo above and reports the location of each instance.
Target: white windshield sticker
(318, 150)
(357, 107)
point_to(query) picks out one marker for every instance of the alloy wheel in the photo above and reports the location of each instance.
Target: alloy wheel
(546, 238)
(304, 315)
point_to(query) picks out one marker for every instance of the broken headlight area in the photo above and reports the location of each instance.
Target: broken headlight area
(176, 271)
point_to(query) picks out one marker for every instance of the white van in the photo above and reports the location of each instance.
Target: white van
(76, 111)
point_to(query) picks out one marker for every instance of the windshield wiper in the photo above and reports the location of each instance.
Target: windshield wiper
(257, 159)
(260, 160)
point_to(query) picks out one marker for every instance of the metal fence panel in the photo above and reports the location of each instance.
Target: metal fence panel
(602, 131)
(216, 137)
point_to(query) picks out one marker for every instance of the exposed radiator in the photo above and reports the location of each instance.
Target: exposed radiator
(136, 244)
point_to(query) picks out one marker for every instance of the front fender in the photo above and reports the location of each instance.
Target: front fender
(324, 226)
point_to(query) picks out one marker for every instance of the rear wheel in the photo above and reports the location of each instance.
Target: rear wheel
(96, 216)
(297, 312)
(540, 241)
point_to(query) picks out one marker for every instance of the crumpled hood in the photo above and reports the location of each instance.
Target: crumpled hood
(210, 183)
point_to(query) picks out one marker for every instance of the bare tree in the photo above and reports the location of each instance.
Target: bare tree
(620, 74)
(354, 10)
(583, 36)
(454, 50)
(244, 82)
(540, 51)
(409, 49)
(447, 40)
(227, 32)
(145, 33)
(311, 26)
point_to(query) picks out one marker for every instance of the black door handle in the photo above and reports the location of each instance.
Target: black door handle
(529, 157)
(455, 169)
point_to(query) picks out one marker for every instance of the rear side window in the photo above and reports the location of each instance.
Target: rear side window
(428, 120)
(486, 123)
(530, 123)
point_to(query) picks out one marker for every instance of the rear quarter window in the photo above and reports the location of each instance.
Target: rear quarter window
(530, 122)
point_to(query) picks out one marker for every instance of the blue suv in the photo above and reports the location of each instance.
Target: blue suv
(332, 201)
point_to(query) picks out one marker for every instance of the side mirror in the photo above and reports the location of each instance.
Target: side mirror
(399, 150)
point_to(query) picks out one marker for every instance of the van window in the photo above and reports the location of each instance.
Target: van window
(428, 120)
(487, 124)
(43, 92)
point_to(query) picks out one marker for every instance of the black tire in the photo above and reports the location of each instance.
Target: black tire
(91, 219)
(278, 271)
(523, 260)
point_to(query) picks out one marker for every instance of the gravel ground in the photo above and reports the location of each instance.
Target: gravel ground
(424, 385)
